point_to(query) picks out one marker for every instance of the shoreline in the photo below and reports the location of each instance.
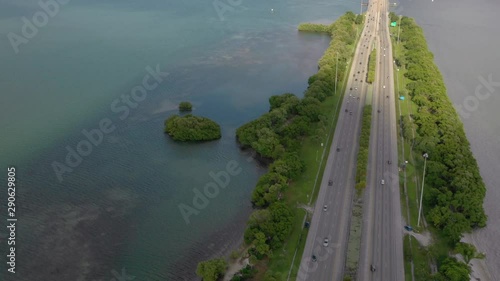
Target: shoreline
(220, 244)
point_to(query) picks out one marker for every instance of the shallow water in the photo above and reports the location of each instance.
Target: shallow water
(118, 210)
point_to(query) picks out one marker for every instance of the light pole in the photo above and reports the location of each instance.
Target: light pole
(397, 79)
(399, 27)
(422, 192)
(336, 67)
(360, 7)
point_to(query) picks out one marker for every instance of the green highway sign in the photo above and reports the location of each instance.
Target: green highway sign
(393, 23)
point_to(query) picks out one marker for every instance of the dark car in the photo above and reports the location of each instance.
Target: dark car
(306, 225)
(408, 228)
(389, 162)
(373, 268)
(314, 258)
(330, 182)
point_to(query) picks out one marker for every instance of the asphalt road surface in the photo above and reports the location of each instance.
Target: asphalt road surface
(382, 241)
(381, 256)
(333, 224)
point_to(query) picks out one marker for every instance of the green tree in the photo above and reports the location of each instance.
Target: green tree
(260, 245)
(185, 106)
(192, 128)
(468, 252)
(452, 270)
(211, 270)
(359, 19)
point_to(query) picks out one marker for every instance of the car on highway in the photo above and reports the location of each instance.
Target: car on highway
(382, 182)
(389, 162)
(314, 258)
(384, 86)
(325, 208)
(325, 242)
(408, 228)
(373, 268)
(330, 182)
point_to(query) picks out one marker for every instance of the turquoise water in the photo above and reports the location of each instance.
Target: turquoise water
(119, 208)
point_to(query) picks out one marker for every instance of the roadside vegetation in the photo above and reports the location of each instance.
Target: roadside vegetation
(364, 143)
(289, 137)
(371, 66)
(354, 242)
(192, 128)
(454, 189)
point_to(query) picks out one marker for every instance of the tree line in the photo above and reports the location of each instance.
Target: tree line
(277, 136)
(364, 143)
(455, 188)
(371, 66)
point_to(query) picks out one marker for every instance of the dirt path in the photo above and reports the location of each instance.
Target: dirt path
(234, 267)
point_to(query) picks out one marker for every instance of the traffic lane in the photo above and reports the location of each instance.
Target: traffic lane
(366, 248)
(338, 185)
(338, 241)
(317, 207)
(306, 263)
(397, 220)
(338, 182)
(347, 185)
(379, 221)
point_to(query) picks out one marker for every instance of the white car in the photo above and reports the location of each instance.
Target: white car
(325, 242)
(384, 86)
(382, 182)
(325, 207)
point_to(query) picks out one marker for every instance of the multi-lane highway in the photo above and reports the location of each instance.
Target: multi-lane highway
(331, 218)
(381, 256)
